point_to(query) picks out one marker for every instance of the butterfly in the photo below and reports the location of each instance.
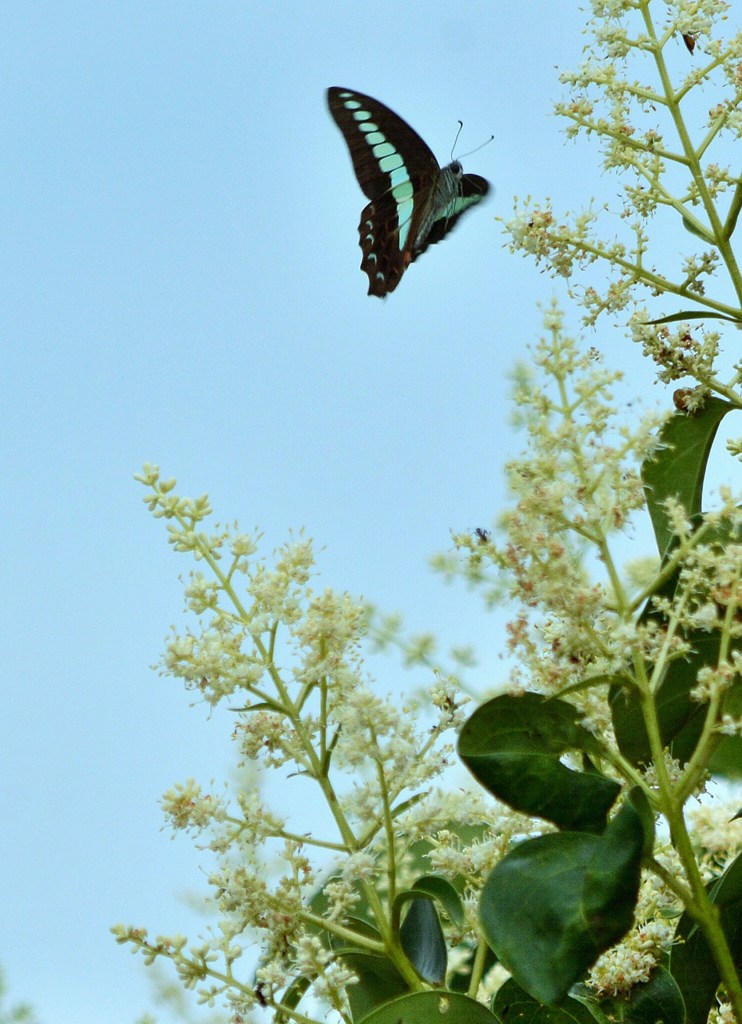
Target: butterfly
(414, 202)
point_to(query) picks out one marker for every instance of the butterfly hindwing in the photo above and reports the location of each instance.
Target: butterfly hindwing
(413, 202)
(383, 259)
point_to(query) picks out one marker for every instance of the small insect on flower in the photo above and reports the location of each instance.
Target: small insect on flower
(483, 536)
(690, 41)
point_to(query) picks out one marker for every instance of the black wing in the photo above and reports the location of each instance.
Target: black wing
(383, 147)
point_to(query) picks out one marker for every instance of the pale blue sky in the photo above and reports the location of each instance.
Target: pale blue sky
(181, 284)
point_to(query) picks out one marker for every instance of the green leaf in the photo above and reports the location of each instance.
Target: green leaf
(405, 805)
(658, 999)
(601, 1010)
(378, 981)
(728, 888)
(698, 230)
(680, 718)
(639, 803)
(441, 890)
(292, 997)
(513, 745)
(264, 705)
(430, 1008)
(691, 962)
(692, 314)
(555, 903)
(678, 468)
(421, 938)
(362, 922)
(726, 759)
(734, 210)
(511, 1005)
(590, 683)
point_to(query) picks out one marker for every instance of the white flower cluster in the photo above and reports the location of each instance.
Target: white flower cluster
(288, 659)
(633, 960)
(664, 166)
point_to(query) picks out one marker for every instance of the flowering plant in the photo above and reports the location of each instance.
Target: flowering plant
(596, 884)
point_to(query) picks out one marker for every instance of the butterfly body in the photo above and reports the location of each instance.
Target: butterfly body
(414, 202)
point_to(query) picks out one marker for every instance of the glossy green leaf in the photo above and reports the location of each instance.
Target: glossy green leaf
(659, 999)
(728, 888)
(600, 1010)
(692, 314)
(680, 718)
(441, 890)
(512, 1005)
(430, 1008)
(405, 805)
(726, 759)
(362, 922)
(677, 470)
(654, 1001)
(513, 745)
(378, 982)
(641, 805)
(691, 962)
(555, 903)
(590, 683)
(421, 938)
(734, 211)
(698, 230)
(291, 998)
(263, 705)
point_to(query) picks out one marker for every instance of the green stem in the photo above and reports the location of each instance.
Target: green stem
(653, 280)
(697, 766)
(477, 969)
(702, 909)
(391, 862)
(673, 884)
(734, 209)
(671, 806)
(348, 935)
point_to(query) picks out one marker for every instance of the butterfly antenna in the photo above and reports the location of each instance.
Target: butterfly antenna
(480, 146)
(461, 125)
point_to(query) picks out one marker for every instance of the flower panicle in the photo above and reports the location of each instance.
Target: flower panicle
(671, 162)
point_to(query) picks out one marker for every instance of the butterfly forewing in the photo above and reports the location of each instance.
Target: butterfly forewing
(383, 147)
(402, 178)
